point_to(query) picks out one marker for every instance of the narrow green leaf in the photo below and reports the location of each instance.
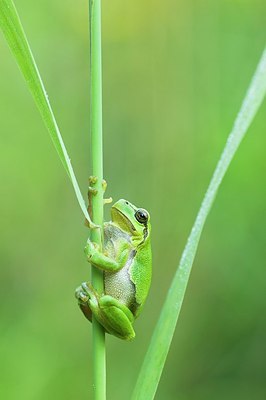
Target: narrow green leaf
(13, 31)
(157, 352)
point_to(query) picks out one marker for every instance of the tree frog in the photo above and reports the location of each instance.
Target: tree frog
(126, 262)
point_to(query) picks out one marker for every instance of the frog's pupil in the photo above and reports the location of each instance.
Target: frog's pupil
(141, 216)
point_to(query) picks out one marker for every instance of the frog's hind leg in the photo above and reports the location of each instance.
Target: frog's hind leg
(114, 316)
(118, 318)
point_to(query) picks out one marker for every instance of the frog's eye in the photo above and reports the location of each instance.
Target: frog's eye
(141, 216)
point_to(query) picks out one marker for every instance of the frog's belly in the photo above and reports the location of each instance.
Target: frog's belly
(119, 285)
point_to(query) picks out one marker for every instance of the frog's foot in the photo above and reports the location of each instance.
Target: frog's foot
(87, 299)
(86, 292)
(116, 318)
(81, 295)
(92, 182)
(92, 191)
(83, 299)
(90, 249)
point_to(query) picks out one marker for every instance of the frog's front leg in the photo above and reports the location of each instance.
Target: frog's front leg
(114, 316)
(100, 260)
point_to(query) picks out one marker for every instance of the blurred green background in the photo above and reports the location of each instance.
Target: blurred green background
(175, 73)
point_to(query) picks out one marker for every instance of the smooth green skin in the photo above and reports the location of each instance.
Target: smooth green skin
(127, 265)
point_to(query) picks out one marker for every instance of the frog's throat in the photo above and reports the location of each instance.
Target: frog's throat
(125, 220)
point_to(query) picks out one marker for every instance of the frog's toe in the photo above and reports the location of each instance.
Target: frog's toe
(90, 292)
(109, 200)
(84, 292)
(90, 249)
(93, 179)
(85, 288)
(81, 295)
(92, 191)
(104, 185)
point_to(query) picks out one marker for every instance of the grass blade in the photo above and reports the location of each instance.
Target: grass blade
(157, 352)
(13, 31)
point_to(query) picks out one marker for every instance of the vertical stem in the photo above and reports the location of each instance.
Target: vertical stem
(98, 336)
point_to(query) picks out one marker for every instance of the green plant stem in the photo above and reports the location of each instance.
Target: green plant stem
(98, 335)
(155, 358)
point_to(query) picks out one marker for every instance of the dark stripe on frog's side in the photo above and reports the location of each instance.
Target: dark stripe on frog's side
(145, 234)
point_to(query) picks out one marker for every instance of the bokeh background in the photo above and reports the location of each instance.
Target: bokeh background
(175, 73)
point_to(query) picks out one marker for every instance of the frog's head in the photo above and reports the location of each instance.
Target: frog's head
(133, 220)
